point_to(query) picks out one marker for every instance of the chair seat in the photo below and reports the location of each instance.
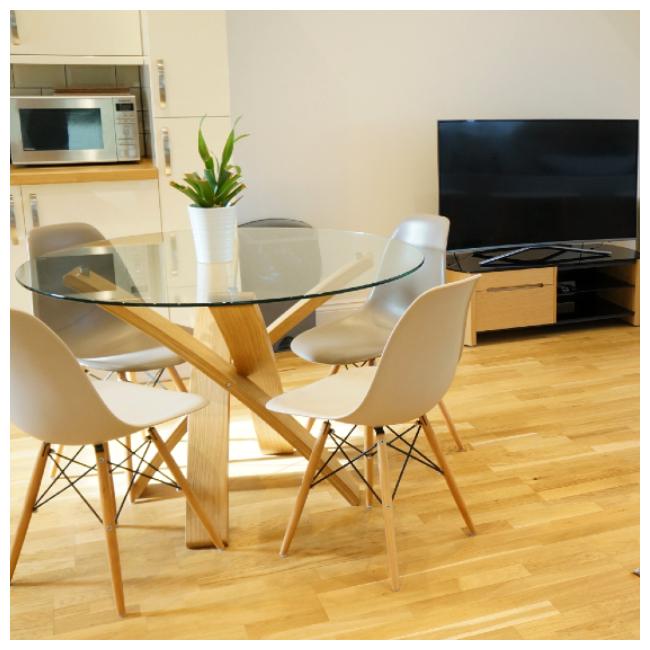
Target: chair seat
(118, 348)
(142, 407)
(332, 398)
(140, 361)
(352, 339)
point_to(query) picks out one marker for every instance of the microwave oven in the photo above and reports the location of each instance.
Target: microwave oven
(72, 129)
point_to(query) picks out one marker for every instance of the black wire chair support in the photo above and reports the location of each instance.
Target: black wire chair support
(411, 452)
(358, 364)
(71, 482)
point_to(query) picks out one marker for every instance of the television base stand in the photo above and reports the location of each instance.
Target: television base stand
(552, 289)
(509, 256)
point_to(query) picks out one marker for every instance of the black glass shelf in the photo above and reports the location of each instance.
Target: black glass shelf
(581, 281)
(592, 309)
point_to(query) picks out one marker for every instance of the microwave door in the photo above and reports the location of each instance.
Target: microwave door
(69, 131)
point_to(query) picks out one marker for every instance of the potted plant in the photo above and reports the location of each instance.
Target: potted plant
(214, 196)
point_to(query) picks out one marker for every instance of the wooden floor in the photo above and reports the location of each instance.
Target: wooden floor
(551, 479)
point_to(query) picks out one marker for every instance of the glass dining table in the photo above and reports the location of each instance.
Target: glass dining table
(231, 348)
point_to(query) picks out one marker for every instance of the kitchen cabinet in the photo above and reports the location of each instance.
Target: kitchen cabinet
(19, 297)
(76, 33)
(116, 209)
(187, 58)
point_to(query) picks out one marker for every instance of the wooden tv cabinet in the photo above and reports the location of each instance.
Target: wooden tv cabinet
(571, 292)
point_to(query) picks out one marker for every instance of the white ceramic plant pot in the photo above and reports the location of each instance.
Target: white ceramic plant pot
(214, 231)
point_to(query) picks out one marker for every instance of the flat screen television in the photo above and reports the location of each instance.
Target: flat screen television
(516, 182)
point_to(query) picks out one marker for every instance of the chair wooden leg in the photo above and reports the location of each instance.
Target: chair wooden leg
(177, 379)
(129, 465)
(179, 477)
(303, 493)
(111, 483)
(142, 481)
(451, 426)
(28, 507)
(387, 509)
(449, 477)
(369, 464)
(54, 470)
(110, 529)
(129, 459)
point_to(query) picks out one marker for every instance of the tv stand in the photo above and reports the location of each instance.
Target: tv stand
(510, 255)
(565, 287)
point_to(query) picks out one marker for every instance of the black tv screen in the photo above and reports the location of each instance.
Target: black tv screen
(507, 182)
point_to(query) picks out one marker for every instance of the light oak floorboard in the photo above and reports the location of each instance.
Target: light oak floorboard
(550, 420)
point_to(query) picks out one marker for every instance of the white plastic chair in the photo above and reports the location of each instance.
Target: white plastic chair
(361, 337)
(99, 340)
(54, 400)
(414, 373)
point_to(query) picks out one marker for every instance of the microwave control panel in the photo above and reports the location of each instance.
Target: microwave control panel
(127, 136)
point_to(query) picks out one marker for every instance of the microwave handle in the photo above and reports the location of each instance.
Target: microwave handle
(15, 36)
(33, 206)
(162, 85)
(15, 240)
(167, 151)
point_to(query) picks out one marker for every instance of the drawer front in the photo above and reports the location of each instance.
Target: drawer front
(521, 305)
(523, 278)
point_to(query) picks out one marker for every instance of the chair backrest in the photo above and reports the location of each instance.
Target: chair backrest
(51, 397)
(429, 233)
(69, 319)
(59, 314)
(419, 360)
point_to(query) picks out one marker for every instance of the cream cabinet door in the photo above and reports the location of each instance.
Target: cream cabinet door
(187, 57)
(19, 297)
(116, 209)
(76, 33)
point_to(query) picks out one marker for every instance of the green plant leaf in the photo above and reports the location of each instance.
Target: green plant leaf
(214, 188)
(195, 198)
(237, 190)
(225, 188)
(193, 180)
(211, 178)
(205, 154)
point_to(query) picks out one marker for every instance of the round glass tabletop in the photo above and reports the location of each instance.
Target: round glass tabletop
(270, 264)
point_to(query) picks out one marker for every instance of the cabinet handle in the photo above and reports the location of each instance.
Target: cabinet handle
(162, 86)
(167, 151)
(517, 287)
(33, 205)
(15, 240)
(173, 243)
(15, 36)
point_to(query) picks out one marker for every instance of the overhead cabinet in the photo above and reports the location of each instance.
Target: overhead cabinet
(187, 57)
(76, 33)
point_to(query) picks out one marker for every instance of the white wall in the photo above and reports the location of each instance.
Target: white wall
(342, 106)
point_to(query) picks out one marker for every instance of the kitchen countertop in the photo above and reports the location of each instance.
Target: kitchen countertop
(34, 175)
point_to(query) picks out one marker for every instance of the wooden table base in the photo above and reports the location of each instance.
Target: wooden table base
(252, 378)
(208, 438)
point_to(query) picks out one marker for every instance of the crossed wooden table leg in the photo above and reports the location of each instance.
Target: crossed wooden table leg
(234, 332)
